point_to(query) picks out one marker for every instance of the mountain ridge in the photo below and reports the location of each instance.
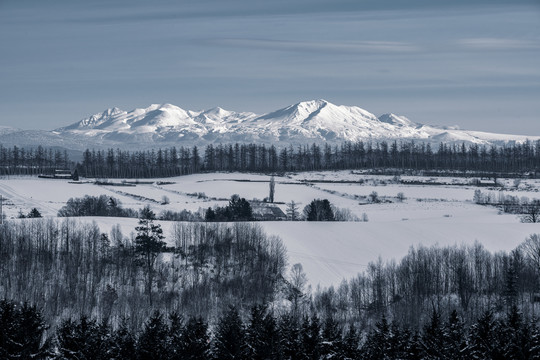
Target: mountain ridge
(304, 122)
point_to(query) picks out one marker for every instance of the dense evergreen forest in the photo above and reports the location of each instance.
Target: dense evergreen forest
(400, 156)
(262, 334)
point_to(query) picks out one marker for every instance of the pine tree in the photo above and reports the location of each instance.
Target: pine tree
(332, 345)
(310, 334)
(196, 340)
(82, 340)
(351, 343)
(376, 345)
(229, 341)
(152, 343)
(123, 345)
(22, 331)
(432, 337)
(289, 337)
(176, 337)
(484, 339)
(148, 244)
(454, 337)
(516, 335)
(261, 335)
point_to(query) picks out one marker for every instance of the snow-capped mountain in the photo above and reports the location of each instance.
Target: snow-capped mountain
(304, 122)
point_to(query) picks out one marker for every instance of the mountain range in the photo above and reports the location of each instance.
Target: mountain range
(304, 122)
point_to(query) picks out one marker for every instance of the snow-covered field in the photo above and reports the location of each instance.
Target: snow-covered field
(329, 252)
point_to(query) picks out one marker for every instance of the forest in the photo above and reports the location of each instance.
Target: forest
(512, 159)
(82, 280)
(264, 335)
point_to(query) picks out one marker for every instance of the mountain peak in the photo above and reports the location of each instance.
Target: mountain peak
(304, 122)
(396, 120)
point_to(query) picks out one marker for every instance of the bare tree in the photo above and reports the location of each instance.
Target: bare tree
(298, 280)
(532, 212)
(292, 211)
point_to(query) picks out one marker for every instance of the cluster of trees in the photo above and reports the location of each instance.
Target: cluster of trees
(69, 267)
(319, 210)
(348, 155)
(323, 210)
(467, 278)
(102, 205)
(528, 209)
(238, 209)
(34, 213)
(265, 335)
(32, 161)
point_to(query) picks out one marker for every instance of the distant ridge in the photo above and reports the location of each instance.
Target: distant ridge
(304, 122)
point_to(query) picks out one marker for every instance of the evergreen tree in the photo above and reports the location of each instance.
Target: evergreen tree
(332, 345)
(22, 331)
(515, 335)
(176, 337)
(196, 340)
(152, 343)
(484, 338)
(376, 345)
(123, 344)
(81, 340)
(229, 341)
(289, 337)
(34, 213)
(261, 335)
(454, 337)
(433, 337)
(319, 210)
(148, 245)
(310, 334)
(351, 343)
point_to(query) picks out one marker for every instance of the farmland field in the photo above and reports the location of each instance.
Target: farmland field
(441, 214)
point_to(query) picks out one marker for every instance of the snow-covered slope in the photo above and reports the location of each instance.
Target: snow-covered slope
(304, 122)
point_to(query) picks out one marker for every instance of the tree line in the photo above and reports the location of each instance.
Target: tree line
(32, 161)
(174, 161)
(262, 334)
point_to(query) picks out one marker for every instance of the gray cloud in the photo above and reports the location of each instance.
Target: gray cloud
(323, 46)
(498, 44)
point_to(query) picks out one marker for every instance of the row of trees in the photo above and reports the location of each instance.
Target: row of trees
(265, 335)
(529, 210)
(173, 161)
(32, 161)
(349, 155)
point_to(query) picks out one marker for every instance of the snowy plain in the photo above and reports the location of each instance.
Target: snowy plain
(329, 251)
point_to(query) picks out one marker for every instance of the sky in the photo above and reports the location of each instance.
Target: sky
(475, 63)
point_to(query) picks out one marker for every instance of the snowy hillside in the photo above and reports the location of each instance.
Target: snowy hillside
(304, 122)
(328, 251)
